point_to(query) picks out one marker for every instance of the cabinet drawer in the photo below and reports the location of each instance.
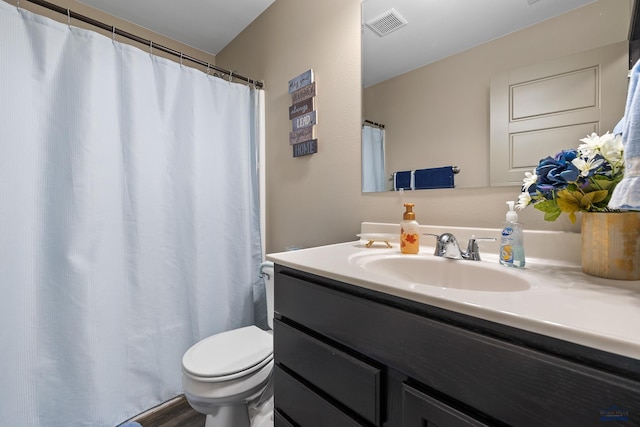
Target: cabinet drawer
(420, 410)
(304, 406)
(351, 381)
(280, 421)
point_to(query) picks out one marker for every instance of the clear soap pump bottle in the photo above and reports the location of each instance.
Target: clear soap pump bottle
(511, 242)
(409, 231)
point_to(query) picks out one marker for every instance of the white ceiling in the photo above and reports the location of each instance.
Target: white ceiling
(436, 28)
(440, 28)
(208, 25)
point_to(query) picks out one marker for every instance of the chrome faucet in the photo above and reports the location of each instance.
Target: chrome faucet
(447, 246)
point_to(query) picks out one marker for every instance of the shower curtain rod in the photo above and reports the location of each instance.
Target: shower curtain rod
(380, 125)
(116, 31)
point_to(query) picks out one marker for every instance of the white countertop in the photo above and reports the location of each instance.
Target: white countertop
(562, 302)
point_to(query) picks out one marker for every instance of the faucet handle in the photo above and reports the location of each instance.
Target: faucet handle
(437, 236)
(483, 239)
(438, 249)
(473, 251)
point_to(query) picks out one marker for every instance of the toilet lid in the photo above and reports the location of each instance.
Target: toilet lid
(228, 352)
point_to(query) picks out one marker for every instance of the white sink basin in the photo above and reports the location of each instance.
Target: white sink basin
(444, 272)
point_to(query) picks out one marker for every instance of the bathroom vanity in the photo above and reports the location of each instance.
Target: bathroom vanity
(353, 349)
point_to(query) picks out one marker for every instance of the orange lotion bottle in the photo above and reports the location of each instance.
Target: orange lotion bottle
(409, 231)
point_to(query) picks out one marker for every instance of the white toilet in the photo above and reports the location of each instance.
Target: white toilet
(223, 372)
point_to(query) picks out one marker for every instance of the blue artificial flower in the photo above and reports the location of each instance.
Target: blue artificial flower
(566, 156)
(557, 172)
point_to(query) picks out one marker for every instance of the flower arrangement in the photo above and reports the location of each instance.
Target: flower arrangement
(576, 180)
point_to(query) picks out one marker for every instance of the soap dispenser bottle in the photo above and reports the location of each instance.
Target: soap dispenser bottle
(511, 242)
(409, 231)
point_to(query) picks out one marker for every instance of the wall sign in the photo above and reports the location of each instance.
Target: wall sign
(303, 93)
(304, 120)
(301, 135)
(302, 80)
(302, 114)
(304, 148)
(301, 108)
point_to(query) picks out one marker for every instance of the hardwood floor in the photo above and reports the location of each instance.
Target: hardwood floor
(178, 413)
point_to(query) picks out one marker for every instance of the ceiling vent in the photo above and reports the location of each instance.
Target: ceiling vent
(386, 23)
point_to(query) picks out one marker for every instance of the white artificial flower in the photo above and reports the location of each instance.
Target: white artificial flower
(612, 149)
(523, 200)
(592, 145)
(529, 179)
(586, 166)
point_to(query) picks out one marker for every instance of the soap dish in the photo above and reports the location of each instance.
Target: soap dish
(372, 238)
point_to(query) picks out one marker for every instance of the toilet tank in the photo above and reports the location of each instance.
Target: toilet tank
(267, 273)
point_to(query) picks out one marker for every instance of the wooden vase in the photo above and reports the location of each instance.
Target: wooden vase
(611, 244)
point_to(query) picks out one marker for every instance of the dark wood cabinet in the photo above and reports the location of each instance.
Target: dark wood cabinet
(346, 355)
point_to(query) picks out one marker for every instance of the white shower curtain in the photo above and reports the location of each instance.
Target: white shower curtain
(373, 161)
(129, 221)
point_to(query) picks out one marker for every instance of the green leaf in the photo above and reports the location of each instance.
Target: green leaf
(552, 216)
(602, 183)
(546, 206)
(595, 196)
(569, 197)
(569, 202)
(550, 209)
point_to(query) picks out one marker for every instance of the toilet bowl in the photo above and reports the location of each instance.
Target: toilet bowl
(222, 373)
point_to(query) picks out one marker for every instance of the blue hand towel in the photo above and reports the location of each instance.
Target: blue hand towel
(430, 178)
(403, 180)
(627, 193)
(130, 424)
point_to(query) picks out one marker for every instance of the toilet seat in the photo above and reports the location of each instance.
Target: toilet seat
(228, 355)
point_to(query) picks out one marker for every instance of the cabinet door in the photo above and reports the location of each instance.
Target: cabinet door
(421, 410)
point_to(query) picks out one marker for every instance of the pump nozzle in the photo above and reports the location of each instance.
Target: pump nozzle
(409, 214)
(512, 215)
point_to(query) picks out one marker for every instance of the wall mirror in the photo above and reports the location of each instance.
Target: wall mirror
(427, 77)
